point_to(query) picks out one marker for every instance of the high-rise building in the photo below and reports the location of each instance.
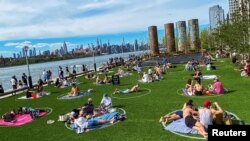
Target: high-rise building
(136, 46)
(30, 53)
(14, 55)
(24, 53)
(216, 16)
(238, 6)
(34, 51)
(65, 48)
(233, 6)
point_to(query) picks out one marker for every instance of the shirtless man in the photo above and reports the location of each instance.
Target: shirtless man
(190, 122)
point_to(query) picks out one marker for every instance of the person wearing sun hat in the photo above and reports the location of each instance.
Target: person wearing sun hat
(106, 101)
(207, 113)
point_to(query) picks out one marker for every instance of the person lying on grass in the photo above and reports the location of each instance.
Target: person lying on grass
(175, 116)
(74, 90)
(126, 91)
(83, 124)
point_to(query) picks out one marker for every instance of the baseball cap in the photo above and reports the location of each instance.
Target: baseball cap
(105, 94)
(207, 103)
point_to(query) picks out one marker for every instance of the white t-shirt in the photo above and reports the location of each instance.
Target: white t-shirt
(106, 101)
(13, 81)
(206, 118)
(82, 122)
(65, 83)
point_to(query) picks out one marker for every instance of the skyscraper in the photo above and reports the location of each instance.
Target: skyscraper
(34, 51)
(216, 16)
(233, 6)
(65, 48)
(30, 53)
(14, 55)
(238, 5)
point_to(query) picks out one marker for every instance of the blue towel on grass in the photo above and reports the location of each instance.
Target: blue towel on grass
(107, 116)
(180, 127)
(85, 93)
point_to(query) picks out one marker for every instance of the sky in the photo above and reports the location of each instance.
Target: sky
(46, 24)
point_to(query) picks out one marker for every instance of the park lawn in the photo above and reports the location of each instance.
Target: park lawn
(143, 113)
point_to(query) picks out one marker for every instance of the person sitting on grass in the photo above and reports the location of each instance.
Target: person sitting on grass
(207, 113)
(40, 90)
(106, 102)
(65, 82)
(198, 88)
(98, 80)
(190, 121)
(126, 91)
(106, 79)
(197, 75)
(90, 76)
(29, 93)
(89, 107)
(58, 83)
(217, 87)
(74, 90)
(189, 87)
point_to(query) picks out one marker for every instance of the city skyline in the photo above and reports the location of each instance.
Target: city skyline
(109, 20)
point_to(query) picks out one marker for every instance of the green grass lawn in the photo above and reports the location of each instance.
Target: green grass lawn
(143, 112)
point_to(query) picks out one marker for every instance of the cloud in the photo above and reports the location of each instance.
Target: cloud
(29, 19)
(43, 46)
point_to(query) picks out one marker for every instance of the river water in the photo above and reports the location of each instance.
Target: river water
(36, 70)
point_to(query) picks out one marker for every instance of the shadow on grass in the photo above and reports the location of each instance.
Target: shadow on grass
(230, 91)
(119, 106)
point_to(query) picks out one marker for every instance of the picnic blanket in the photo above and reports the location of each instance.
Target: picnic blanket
(180, 127)
(107, 116)
(206, 77)
(81, 94)
(186, 92)
(38, 96)
(20, 120)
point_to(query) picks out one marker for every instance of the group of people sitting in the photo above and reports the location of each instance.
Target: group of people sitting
(198, 89)
(197, 119)
(152, 75)
(191, 65)
(106, 80)
(246, 70)
(40, 90)
(121, 72)
(83, 118)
